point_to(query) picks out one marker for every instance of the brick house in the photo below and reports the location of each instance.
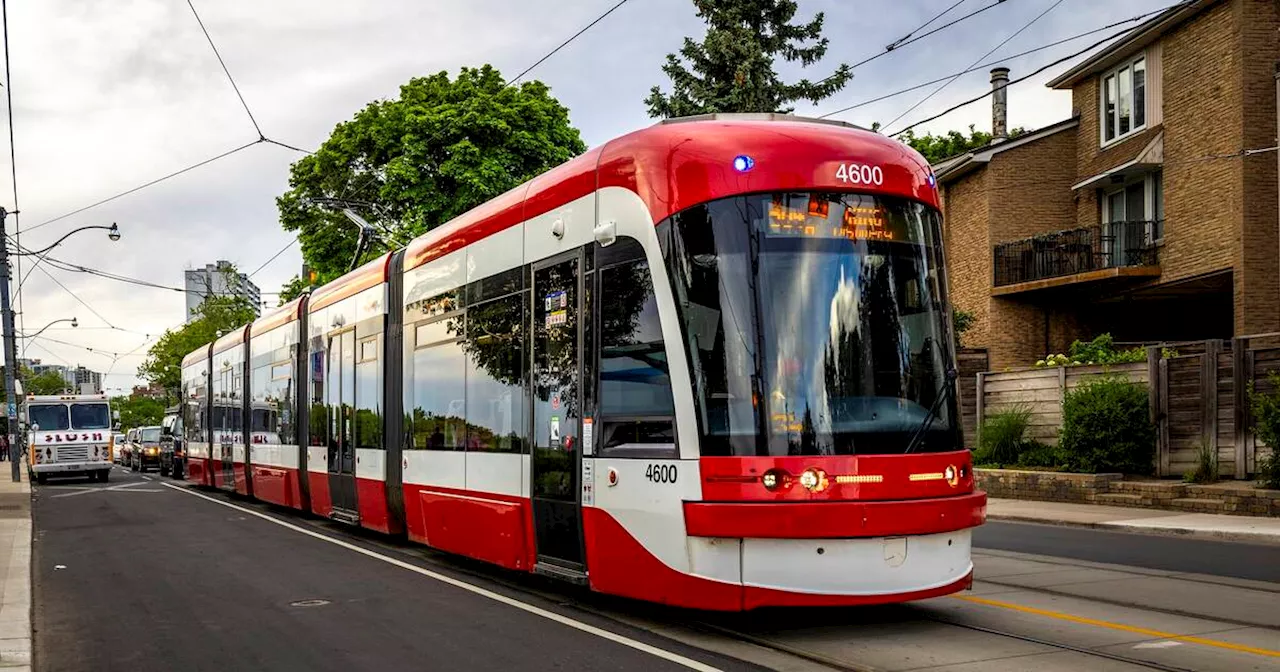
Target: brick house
(1150, 214)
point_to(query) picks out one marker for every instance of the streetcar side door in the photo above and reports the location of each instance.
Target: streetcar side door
(342, 451)
(556, 463)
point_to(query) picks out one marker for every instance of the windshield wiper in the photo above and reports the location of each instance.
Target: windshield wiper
(948, 384)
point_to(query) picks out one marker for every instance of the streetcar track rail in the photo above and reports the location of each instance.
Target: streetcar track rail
(567, 596)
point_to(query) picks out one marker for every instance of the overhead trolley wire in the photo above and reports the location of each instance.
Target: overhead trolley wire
(223, 63)
(979, 60)
(1005, 59)
(564, 44)
(939, 15)
(273, 257)
(140, 187)
(1023, 78)
(900, 44)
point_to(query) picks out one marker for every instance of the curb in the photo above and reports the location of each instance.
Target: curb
(1181, 532)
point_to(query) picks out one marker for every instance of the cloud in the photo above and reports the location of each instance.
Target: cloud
(109, 95)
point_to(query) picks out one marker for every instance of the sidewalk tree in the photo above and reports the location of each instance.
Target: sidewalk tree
(935, 148)
(731, 69)
(138, 411)
(216, 315)
(442, 147)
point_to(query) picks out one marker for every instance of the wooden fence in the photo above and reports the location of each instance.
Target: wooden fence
(1196, 399)
(1040, 391)
(972, 361)
(1199, 400)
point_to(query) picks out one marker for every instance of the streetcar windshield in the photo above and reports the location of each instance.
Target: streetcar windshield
(815, 323)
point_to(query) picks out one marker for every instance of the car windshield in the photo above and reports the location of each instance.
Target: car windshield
(151, 434)
(91, 416)
(49, 417)
(815, 323)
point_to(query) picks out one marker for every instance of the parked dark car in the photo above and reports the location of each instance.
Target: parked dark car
(171, 453)
(130, 443)
(146, 452)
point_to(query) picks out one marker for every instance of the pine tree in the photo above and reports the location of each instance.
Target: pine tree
(731, 70)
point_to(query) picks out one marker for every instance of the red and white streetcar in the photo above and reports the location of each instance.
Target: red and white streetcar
(708, 364)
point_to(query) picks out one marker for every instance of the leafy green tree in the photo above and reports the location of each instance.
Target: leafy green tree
(442, 147)
(47, 382)
(731, 70)
(215, 316)
(138, 411)
(935, 148)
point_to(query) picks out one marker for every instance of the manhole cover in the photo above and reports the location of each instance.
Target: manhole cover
(309, 603)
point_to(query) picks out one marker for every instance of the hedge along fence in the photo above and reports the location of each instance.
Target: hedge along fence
(1196, 398)
(1041, 392)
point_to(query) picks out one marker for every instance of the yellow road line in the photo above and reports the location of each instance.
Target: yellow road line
(1119, 626)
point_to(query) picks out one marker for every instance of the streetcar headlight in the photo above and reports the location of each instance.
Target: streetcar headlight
(814, 480)
(951, 475)
(774, 479)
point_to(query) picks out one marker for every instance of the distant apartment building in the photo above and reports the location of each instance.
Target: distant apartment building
(220, 279)
(79, 380)
(1150, 214)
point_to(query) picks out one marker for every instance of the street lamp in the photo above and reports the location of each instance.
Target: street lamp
(72, 320)
(10, 337)
(113, 234)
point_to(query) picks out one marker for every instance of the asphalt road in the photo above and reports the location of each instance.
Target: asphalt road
(1219, 558)
(132, 575)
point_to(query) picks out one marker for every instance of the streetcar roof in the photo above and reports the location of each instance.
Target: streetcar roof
(196, 356)
(277, 317)
(369, 275)
(230, 339)
(787, 152)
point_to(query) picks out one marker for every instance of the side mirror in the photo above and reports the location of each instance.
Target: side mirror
(35, 427)
(166, 431)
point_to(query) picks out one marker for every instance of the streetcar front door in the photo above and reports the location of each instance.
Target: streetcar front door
(557, 413)
(341, 396)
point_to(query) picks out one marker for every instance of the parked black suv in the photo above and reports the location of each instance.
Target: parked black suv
(171, 454)
(146, 452)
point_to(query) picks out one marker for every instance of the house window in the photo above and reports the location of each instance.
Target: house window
(1124, 100)
(1133, 214)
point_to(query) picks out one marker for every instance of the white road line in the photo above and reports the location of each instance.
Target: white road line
(483, 592)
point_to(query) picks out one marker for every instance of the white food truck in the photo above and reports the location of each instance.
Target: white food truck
(69, 434)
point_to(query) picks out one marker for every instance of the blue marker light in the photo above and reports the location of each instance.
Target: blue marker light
(933, 181)
(742, 163)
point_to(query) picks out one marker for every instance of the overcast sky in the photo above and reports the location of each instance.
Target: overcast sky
(109, 95)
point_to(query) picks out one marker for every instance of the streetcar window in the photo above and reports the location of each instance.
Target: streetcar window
(436, 375)
(495, 375)
(50, 418)
(368, 397)
(636, 408)
(813, 324)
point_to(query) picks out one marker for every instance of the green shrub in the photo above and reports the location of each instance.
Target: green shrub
(1106, 426)
(1100, 350)
(961, 321)
(1041, 456)
(1206, 470)
(1002, 436)
(1266, 424)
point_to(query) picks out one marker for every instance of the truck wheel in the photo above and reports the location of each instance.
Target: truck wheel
(42, 478)
(104, 475)
(133, 465)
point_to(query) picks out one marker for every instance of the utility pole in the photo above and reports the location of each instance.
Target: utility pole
(10, 351)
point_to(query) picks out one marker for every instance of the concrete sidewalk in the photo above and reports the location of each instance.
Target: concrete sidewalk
(1147, 521)
(15, 572)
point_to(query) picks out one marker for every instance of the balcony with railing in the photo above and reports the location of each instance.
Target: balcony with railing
(1118, 249)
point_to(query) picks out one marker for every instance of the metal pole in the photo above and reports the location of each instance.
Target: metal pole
(10, 352)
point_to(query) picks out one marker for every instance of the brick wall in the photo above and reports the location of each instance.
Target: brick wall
(1257, 273)
(968, 251)
(1202, 101)
(1043, 486)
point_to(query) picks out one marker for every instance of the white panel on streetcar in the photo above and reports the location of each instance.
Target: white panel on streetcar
(495, 473)
(371, 464)
(494, 254)
(856, 566)
(441, 468)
